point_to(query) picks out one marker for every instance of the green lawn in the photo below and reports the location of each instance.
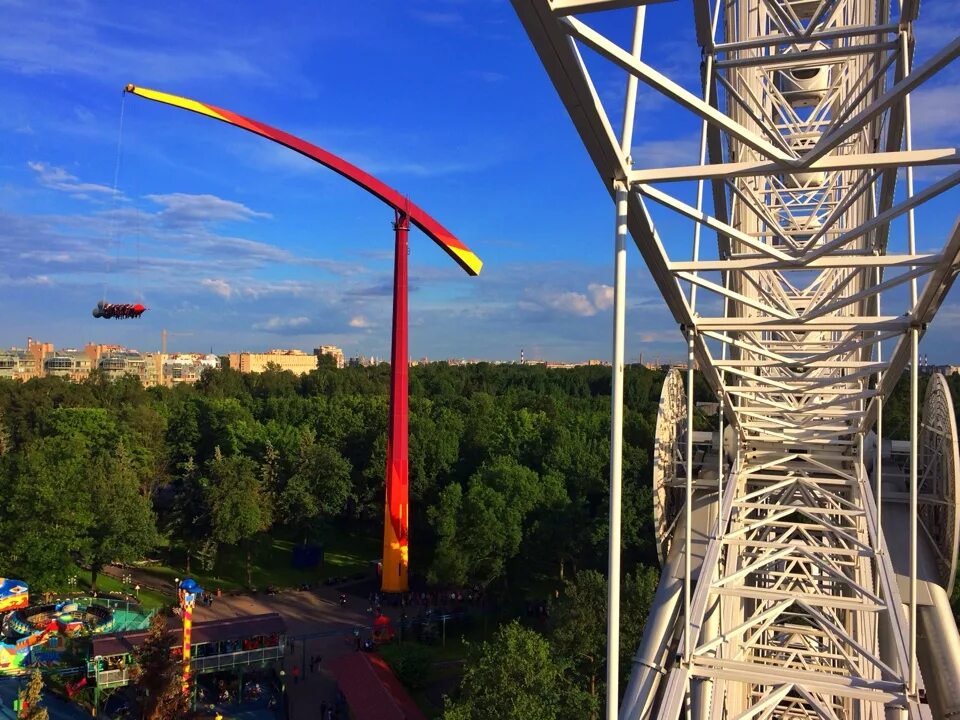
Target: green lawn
(105, 584)
(344, 554)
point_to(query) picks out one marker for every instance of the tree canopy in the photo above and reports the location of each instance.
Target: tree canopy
(156, 675)
(517, 676)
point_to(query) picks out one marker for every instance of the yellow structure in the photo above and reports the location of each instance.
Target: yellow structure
(296, 361)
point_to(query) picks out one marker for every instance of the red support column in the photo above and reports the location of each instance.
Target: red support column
(396, 512)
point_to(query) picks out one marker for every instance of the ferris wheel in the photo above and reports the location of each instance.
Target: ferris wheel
(806, 556)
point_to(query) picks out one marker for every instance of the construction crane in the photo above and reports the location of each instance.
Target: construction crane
(164, 334)
(807, 558)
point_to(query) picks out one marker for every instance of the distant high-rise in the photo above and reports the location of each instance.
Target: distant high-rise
(296, 361)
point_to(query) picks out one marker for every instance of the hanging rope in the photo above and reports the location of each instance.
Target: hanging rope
(137, 231)
(115, 197)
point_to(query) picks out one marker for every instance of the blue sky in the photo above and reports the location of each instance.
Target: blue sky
(246, 245)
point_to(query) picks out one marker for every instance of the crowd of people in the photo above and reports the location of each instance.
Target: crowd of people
(451, 598)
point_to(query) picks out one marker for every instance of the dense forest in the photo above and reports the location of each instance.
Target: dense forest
(508, 467)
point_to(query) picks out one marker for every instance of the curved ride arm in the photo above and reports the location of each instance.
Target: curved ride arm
(434, 230)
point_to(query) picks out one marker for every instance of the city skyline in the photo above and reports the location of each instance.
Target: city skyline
(348, 354)
(247, 245)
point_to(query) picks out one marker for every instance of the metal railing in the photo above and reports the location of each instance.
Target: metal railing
(213, 663)
(113, 678)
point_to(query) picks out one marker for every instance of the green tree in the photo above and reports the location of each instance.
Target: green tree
(580, 626)
(30, 698)
(124, 526)
(490, 521)
(518, 676)
(412, 663)
(188, 517)
(580, 623)
(320, 486)
(45, 484)
(5, 443)
(637, 591)
(450, 562)
(156, 675)
(239, 505)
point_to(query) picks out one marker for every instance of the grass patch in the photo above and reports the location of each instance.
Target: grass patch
(272, 563)
(149, 599)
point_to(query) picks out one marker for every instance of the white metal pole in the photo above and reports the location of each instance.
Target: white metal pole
(616, 394)
(878, 470)
(616, 456)
(914, 381)
(914, 437)
(878, 459)
(908, 146)
(687, 508)
(720, 452)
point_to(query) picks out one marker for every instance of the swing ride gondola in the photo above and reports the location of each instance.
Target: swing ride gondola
(118, 311)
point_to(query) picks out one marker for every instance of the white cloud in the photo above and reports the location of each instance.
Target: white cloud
(218, 287)
(44, 256)
(660, 336)
(934, 112)
(56, 178)
(27, 281)
(598, 297)
(489, 76)
(186, 209)
(359, 321)
(71, 38)
(438, 17)
(667, 153)
(573, 303)
(601, 295)
(277, 323)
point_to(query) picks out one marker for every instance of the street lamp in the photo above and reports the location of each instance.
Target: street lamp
(72, 582)
(127, 579)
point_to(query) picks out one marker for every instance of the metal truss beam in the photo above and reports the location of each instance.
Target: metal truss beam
(795, 610)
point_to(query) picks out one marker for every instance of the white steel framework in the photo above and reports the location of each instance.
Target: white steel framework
(792, 604)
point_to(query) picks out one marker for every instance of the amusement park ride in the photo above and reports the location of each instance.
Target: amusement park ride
(396, 559)
(807, 558)
(118, 311)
